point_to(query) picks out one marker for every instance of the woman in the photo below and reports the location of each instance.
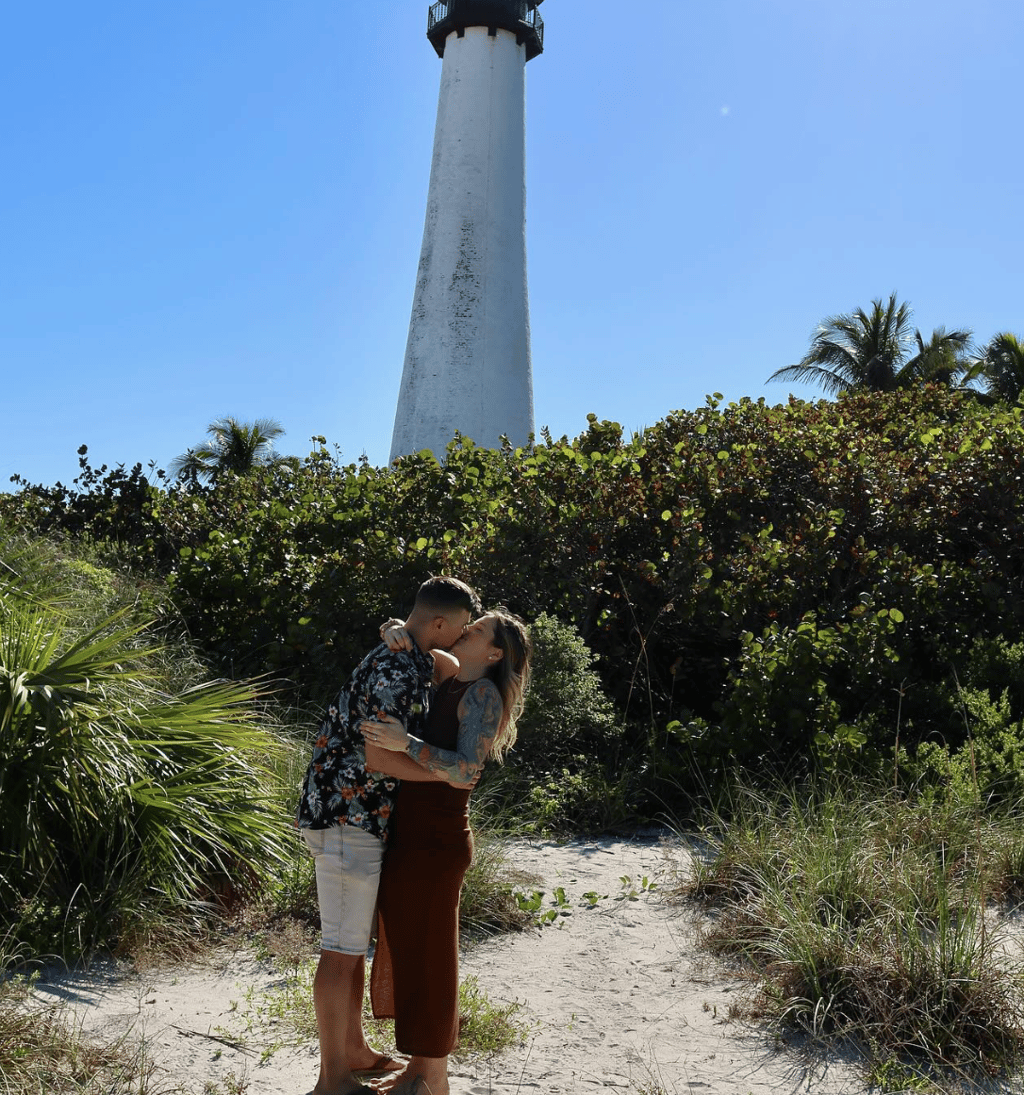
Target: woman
(415, 976)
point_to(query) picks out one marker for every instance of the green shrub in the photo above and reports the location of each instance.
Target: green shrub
(692, 559)
(589, 797)
(566, 710)
(967, 730)
(571, 768)
(988, 765)
(120, 801)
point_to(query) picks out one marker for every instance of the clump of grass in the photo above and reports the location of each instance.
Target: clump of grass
(871, 915)
(287, 1011)
(40, 1051)
(291, 893)
(231, 1085)
(488, 905)
(486, 1027)
(645, 1077)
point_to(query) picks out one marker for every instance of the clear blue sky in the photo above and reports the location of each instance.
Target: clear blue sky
(215, 208)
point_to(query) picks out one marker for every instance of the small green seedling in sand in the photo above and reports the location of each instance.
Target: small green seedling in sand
(533, 903)
(631, 891)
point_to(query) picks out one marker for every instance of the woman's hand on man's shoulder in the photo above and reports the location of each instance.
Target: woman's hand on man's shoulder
(395, 637)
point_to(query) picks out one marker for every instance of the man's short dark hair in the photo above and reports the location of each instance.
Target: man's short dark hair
(445, 594)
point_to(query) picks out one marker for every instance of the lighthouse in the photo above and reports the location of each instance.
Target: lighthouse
(467, 360)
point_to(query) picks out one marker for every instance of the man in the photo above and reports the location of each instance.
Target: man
(343, 816)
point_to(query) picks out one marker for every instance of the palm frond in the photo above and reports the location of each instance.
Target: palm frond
(868, 350)
(943, 359)
(116, 794)
(832, 382)
(1003, 366)
(235, 447)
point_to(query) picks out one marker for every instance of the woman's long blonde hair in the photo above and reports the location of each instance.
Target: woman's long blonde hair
(511, 674)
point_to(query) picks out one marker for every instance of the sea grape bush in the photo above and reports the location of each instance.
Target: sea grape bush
(574, 767)
(764, 585)
(103, 505)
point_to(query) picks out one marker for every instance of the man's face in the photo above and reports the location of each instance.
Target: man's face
(453, 625)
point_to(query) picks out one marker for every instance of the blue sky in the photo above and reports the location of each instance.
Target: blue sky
(215, 208)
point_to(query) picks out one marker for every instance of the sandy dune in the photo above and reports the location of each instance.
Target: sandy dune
(616, 996)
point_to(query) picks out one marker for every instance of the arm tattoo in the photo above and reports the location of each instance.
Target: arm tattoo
(478, 725)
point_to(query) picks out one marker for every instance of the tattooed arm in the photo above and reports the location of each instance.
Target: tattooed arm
(398, 765)
(386, 742)
(479, 719)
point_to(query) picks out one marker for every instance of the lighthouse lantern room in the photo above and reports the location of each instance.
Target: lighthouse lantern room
(521, 17)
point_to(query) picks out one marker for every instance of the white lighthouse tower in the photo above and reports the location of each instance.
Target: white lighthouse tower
(467, 361)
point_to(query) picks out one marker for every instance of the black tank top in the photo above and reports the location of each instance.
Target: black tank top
(442, 729)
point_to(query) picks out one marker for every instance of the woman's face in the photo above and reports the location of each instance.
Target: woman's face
(477, 642)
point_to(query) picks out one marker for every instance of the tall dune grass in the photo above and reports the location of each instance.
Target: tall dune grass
(870, 914)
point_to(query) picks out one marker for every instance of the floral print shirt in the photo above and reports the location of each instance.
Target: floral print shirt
(337, 788)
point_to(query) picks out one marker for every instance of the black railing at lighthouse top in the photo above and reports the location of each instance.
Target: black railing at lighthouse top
(521, 17)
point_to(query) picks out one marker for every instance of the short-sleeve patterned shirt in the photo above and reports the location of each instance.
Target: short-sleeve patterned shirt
(337, 788)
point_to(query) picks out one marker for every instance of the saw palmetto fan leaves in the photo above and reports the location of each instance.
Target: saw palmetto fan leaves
(119, 801)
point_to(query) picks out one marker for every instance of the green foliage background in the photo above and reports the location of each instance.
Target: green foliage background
(763, 587)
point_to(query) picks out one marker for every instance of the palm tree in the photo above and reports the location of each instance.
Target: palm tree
(1002, 366)
(868, 351)
(236, 447)
(943, 359)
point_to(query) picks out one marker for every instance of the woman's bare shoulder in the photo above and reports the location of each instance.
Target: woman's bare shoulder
(445, 665)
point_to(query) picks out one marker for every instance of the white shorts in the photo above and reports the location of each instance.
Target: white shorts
(347, 861)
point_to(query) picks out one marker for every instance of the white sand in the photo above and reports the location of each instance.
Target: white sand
(616, 996)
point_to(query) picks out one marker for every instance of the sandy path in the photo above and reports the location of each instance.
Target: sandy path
(616, 996)
(619, 994)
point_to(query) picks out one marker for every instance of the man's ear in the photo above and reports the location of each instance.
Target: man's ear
(438, 623)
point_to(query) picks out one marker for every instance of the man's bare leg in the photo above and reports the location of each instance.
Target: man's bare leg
(338, 1001)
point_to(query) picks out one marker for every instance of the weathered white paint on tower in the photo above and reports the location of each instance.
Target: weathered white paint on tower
(467, 361)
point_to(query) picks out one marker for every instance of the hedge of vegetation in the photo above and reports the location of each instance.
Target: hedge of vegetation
(783, 587)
